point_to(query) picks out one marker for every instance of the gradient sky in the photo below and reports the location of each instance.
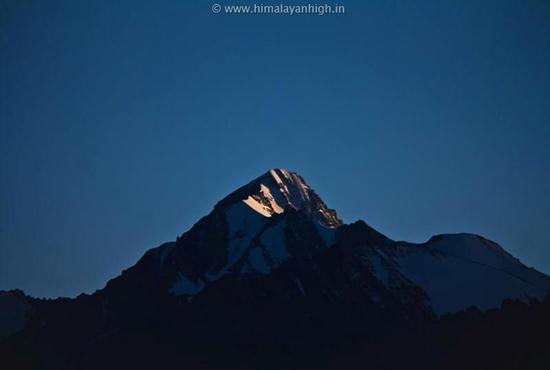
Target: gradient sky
(122, 123)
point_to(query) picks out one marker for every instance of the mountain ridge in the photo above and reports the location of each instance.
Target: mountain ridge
(272, 259)
(261, 205)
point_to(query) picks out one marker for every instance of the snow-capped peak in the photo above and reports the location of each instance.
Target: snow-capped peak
(279, 190)
(254, 241)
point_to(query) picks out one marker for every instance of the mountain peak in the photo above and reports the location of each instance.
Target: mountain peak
(278, 190)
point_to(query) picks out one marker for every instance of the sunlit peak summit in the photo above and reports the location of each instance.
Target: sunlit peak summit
(278, 190)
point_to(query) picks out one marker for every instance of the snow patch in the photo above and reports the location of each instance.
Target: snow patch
(271, 252)
(273, 204)
(258, 206)
(184, 286)
(244, 224)
(454, 283)
(275, 245)
(477, 249)
(277, 178)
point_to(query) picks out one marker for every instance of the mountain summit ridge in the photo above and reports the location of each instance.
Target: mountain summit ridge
(278, 190)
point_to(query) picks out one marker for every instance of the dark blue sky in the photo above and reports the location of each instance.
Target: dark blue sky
(122, 123)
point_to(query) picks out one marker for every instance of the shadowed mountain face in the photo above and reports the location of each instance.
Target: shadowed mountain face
(271, 278)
